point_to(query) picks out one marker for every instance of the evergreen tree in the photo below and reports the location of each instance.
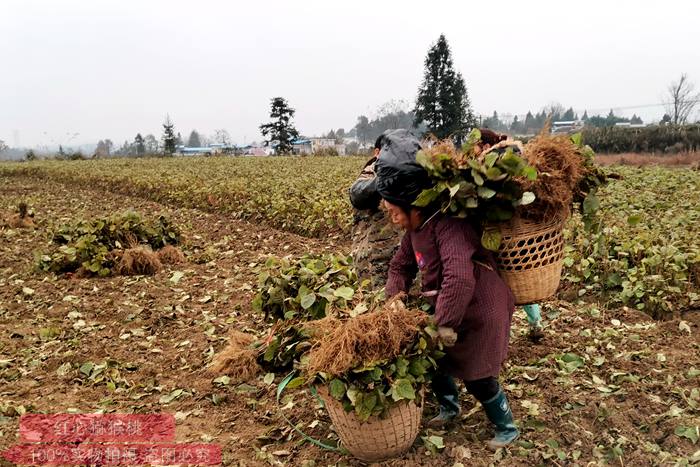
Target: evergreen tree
(178, 140)
(530, 122)
(443, 102)
(140, 146)
(516, 127)
(280, 131)
(101, 149)
(362, 129)
(635, 120)
(194, 140)
(169, 139)
(569, 115)
(585, 116)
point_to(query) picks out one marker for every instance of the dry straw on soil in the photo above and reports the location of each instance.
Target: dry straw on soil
(237, 360)
(22, 219)
(170, 254)
(376, 336)
(140, 260)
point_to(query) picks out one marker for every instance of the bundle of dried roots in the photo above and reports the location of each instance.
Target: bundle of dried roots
(371, 337)
(140, 260)
(238, 359)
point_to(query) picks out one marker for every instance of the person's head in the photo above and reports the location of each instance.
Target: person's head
(378, 145)
(407, 217)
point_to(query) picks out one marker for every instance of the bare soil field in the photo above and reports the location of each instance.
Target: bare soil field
(603, 386)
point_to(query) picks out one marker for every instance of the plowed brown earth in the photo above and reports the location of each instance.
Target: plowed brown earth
(626, 396)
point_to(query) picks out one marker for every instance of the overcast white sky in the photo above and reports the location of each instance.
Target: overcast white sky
(110, 69)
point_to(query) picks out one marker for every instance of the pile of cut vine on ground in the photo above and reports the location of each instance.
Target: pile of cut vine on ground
(122, 244)
(290, 293)
(539, 180)
(325, 326)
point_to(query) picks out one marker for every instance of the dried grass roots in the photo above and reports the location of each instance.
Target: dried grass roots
(237, 360)
(560, 167)
(140, 260)
(377, 336)
(22, 219)
(170, 254)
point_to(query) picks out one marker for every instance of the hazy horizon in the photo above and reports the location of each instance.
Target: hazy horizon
(111, 70)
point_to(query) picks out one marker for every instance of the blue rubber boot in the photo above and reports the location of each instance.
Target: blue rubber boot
(534, 319)
(447, 395)
(498, 412)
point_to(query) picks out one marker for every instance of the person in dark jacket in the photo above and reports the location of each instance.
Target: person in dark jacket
(473, 306)
(374, 238)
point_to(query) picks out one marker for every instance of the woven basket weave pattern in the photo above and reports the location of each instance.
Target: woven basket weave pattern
(376, 439)
(530, 258)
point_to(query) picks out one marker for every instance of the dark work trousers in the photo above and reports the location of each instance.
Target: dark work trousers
(447, 394)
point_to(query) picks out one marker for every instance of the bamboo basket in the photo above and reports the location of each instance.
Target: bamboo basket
(530, 258)
(376, 439)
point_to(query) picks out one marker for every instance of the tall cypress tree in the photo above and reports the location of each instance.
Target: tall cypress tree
(140, 146)
(280, 130)
(169, 138)
(443, 103)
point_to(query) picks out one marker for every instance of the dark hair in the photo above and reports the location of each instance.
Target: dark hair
(378, 143)
(490, 137)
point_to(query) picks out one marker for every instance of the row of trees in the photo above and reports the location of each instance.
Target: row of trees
(533, 123)
(442, 108)
(667, 139)
(167, 145)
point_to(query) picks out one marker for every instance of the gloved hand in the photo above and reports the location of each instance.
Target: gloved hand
(447, 335)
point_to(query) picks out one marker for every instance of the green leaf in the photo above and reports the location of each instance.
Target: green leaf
(530, 172)
(690, 432)
(271, 349)
(591, 204)
(177, 275)
(494, 173)
(491, 239)
(222, 380)
(528, 197)
(436, 441)
(426, 197)
(269, 378)
(86, 368)
(295, 383)
(634, 219)
(337, 389)
(424, 160)
(577, 139)
(402, 389)
(168, 398)
(490, 159)
(401, 366)
(308, 300)
(485, 192)
(344, 292)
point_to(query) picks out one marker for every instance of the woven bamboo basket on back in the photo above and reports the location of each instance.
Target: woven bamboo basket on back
(531, 256)
(378, 438)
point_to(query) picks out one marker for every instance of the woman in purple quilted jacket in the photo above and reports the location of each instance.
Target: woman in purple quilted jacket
(473, 306)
